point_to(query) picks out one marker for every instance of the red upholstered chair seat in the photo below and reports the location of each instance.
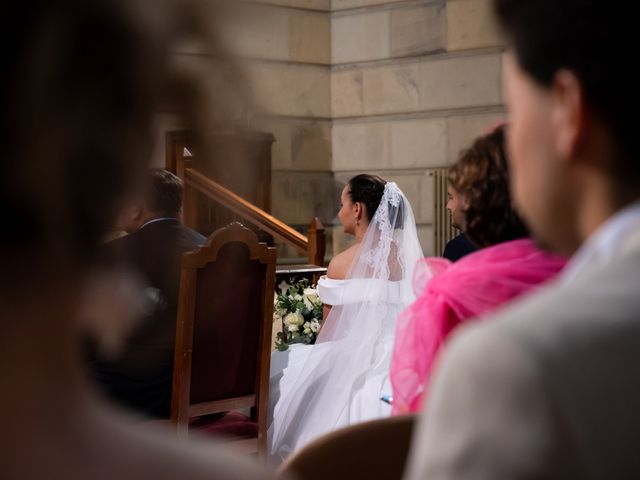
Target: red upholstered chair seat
(228, 424)
(232, 425)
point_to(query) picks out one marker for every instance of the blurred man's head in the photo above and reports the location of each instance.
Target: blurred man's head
(572, 103)
(79, 89)
(161, 198)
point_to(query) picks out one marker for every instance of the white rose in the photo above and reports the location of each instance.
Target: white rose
(312, 295)
(287, 318)
(294, 319)
(308, 304)
(307, 325)
(315, 326)
(292, 328)
(307, 331)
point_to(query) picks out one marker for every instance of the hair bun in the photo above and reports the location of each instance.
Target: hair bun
(368, 190)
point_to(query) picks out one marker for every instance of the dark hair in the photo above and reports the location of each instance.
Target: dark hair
(78, 93)
(163, 193)
(587, 37)
(481, 176)
(368, 190)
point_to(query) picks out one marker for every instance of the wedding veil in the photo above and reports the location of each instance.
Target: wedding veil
(335, 385)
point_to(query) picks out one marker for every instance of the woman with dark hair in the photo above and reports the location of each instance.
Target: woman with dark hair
(339, 380)
(508, 264)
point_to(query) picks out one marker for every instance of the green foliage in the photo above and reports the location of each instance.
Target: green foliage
(299, 309)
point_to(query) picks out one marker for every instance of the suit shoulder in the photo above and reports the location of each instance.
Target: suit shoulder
(119, 248)
(527, 368)
(486, 391)
(595, 304)
(194, 237)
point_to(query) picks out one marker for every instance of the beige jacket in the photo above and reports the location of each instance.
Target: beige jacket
(549, 388)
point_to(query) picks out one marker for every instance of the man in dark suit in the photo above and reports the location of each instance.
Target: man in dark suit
(140, 376)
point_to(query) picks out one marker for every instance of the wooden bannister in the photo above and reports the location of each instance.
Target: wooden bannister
(316, 239)
(312, 246)
(240, 206)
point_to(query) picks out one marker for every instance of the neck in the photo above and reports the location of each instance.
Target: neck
(597, 204)
(361, 231)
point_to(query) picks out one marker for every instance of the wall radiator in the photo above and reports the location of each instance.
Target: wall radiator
(443, 231)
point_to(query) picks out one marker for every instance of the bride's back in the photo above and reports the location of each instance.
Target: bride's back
(339, 381)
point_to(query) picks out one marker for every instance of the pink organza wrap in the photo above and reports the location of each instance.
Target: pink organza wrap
(449, 294)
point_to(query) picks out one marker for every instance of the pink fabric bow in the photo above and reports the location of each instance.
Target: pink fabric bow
(449, 294)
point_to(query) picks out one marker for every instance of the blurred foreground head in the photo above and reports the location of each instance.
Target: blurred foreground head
(573, 100)
(79, 88)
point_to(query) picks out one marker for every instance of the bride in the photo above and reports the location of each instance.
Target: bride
(339, 380)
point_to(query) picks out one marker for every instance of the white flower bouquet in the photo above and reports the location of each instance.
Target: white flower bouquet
(299, 309)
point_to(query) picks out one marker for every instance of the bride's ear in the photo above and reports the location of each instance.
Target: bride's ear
(359, 208)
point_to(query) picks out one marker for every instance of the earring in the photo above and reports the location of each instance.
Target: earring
(357, 221)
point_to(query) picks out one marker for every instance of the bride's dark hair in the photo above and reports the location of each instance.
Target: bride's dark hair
(367, 189)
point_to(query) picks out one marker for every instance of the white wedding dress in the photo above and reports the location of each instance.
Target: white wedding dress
(339, 380)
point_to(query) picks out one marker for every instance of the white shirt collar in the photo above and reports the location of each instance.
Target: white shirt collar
(602, 245)
(154, 220)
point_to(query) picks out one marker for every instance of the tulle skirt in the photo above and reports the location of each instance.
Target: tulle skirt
(296, 419)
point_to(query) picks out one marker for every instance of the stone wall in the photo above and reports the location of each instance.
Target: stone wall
(390, 87)
(290, 46)
(412, 83)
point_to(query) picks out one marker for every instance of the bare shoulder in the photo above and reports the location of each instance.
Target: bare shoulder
(340, 264)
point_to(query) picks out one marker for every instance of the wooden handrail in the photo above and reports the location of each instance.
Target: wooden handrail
(253, 214)
(313, 245)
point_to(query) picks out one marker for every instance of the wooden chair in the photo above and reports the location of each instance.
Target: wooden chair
(223, 338)
(376, 449)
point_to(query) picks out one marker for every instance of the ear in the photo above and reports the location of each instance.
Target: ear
(463, 202)
(568, 115)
